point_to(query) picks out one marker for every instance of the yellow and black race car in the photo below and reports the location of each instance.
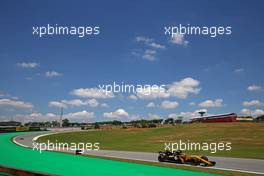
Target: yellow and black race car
(181, 158)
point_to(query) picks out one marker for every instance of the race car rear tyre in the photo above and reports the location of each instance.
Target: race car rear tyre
(160, 159)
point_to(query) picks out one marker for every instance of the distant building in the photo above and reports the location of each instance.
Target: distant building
(245, 119)
(230, 117)
(10, 123)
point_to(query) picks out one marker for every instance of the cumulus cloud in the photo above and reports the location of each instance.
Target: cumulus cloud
(104, 105)
(143, 39)
(75, 102)
(56, 104)
(27, 65)
(135, 117)
(8, 96)
(15, 103)
(255, 113)
(92, 102)
(152, 93)
(36, 117)
(149, 42)
(149, 55)
(192, 104)
(253, 103)
(82, 115)
(178, 116)
(78, 102)
(92, 93)
(166, 104)
(50, 74)
(154, 116)
(211, 103)
(133, 97)
(254, 88)
(151, 105)
(40, 117)
(180, 89)
(117, 114)
(179, 39)
(156, 45)
(187, 116)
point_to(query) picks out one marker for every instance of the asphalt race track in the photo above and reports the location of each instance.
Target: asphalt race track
(224, 163)
(57, 163)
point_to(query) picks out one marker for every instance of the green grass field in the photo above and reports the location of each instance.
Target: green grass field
(247, 138)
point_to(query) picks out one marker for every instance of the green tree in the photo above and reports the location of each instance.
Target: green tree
(65, 123)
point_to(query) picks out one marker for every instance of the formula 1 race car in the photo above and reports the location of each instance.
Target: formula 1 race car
(181, 158)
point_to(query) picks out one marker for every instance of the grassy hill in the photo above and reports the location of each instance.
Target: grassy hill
(247, 138)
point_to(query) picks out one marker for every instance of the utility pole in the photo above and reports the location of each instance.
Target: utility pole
(61, 117)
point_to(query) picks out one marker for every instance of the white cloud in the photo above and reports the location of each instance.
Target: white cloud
(118, 114)
(27, 65)
(258, 112)
(40, 117)
(8, 96)
(192, 104)
(82, 115)
(133, 97)
(154, 116)
(254, 88)
(211, 103)
(92, 93)
(187, 116)
(143, 39)
(135, 117)
(15, 103)
(152, 92)
(149, 55)
(92, 102)
(181, 89)
(239, 70)
(255, 113)
(57, 104)
(173, 115)
(149, 42)
(36, 117)
(75, 102)
(151, 105)
(253, 103)
(156, 45)
(53, 74)
(104, 105)
(179, 40)
(166, 104)
(178, 116)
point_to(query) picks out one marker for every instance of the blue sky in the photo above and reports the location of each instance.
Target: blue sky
(223, 74)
